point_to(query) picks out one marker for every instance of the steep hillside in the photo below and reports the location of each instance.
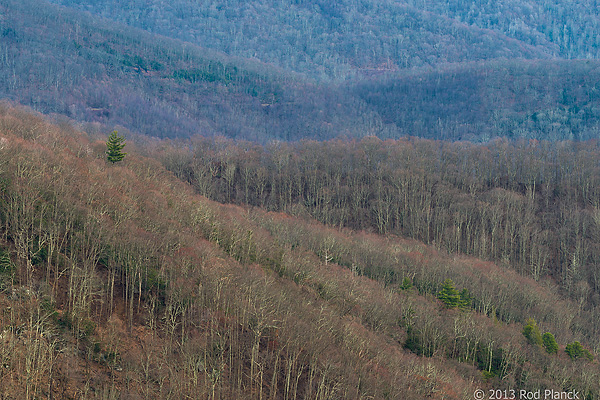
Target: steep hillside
(331, 40)
(531, 206)
(117, 281)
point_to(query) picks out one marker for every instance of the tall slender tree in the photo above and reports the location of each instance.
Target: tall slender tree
(114, 147)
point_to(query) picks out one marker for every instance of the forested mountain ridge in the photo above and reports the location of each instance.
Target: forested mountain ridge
(58, 60)
(567, 29)
(117, 281)
(64, 62)
(325, 39)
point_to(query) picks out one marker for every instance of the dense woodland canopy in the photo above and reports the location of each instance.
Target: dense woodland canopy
(336, 39)
(532, 206)
(543, 100)
(59, 61)
(117, 280)
(342, 200)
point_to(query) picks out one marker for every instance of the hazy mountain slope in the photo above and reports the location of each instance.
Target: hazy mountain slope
(61, 61)
(320, 37)
(547, 100)
(568, 28)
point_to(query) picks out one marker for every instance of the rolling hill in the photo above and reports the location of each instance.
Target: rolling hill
(544, 100)
(60, 61)
(330, 40)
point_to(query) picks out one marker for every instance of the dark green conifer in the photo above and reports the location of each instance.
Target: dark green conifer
(406, 283)
(449, 295)
(532, 332)
(465, 300)
(114, 147)
(574, 350)
(550, 343)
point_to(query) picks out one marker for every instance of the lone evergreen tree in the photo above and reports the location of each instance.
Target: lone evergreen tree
(575, 350)
(449, 295)
(406, 283)
(114, 147)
